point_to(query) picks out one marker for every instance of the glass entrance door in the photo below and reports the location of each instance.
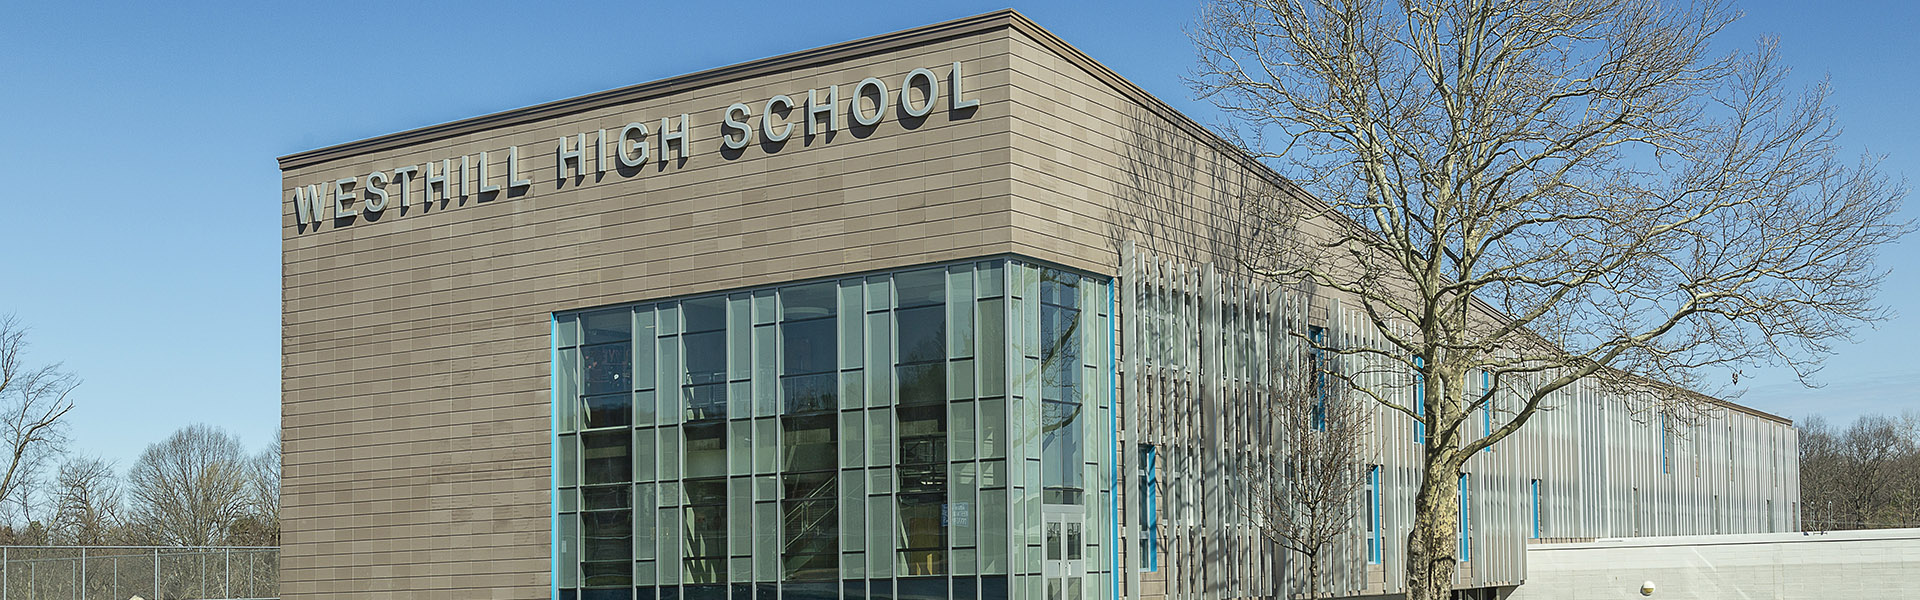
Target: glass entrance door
(1065, 567)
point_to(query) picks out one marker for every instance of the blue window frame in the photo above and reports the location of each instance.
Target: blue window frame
(1419, 401)
(1535, 489)
(1375, 542)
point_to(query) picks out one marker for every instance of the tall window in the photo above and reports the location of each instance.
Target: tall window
(1317, 370)
(1419, 401)
(1375, 539)
(703, 389)
(1062, 449)
(1534, 490)
(1666, 444)
(606, 452)
(1486, 406)
(809, 383)
(921, 329)
(1149, 510)
(1466, 523)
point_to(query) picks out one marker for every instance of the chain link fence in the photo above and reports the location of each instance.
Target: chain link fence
(152, 573)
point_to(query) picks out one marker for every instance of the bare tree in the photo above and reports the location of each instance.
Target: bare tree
(1546, 192)
(33, 400)
(259, 525)
(1308, 490)
(189, 489)
(1865, 477)
(86, 503)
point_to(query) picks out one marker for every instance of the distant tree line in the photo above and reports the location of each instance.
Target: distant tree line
(198, 487)
(1866, 476)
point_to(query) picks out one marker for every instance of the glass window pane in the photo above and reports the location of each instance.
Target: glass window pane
(611, 410)
(569, 464)
(766, 445)
(851, 319)
(919, 288)
(739, 336)
(566, 331)
(669, 441)
(607, 535)
(704, 314)
(809, 442)
(740, 448)
(569, 550)
(765, 307)
(923, 384)
(923, 334)
(645, 503)
(880, 437)
(853, 503)
(993, 531)
(607, 368)
(853, 439)
(705, 375)
(667, 359)
(809, 346)
(959, 298)
(810, 301)
(667, 318)
(605, 458)
(879, 292)
(879, 534)
(766, 542)
(607, 497)
(879, 359)
(993, 428)
(706, 449)
(766, 370)
(960, 380)
(608, 326)
(566, 381)
(990, 278)
(961, 435)
(992, 351)
(853, 389)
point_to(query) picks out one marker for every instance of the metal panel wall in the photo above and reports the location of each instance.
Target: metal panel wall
(1198, 346)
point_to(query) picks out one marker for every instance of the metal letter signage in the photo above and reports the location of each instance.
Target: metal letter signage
(870, 103)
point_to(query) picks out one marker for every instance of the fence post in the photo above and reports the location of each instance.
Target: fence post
(83, 573)
(226, 555)
(156, 574)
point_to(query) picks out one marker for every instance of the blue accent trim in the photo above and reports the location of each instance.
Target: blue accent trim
(553, 457)
(1113, 442)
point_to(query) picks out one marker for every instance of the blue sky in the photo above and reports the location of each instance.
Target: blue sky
(139, 197)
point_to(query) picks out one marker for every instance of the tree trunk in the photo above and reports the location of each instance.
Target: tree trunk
(1434, 541)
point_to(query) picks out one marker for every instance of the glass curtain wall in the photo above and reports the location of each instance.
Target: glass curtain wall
(894, 435)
